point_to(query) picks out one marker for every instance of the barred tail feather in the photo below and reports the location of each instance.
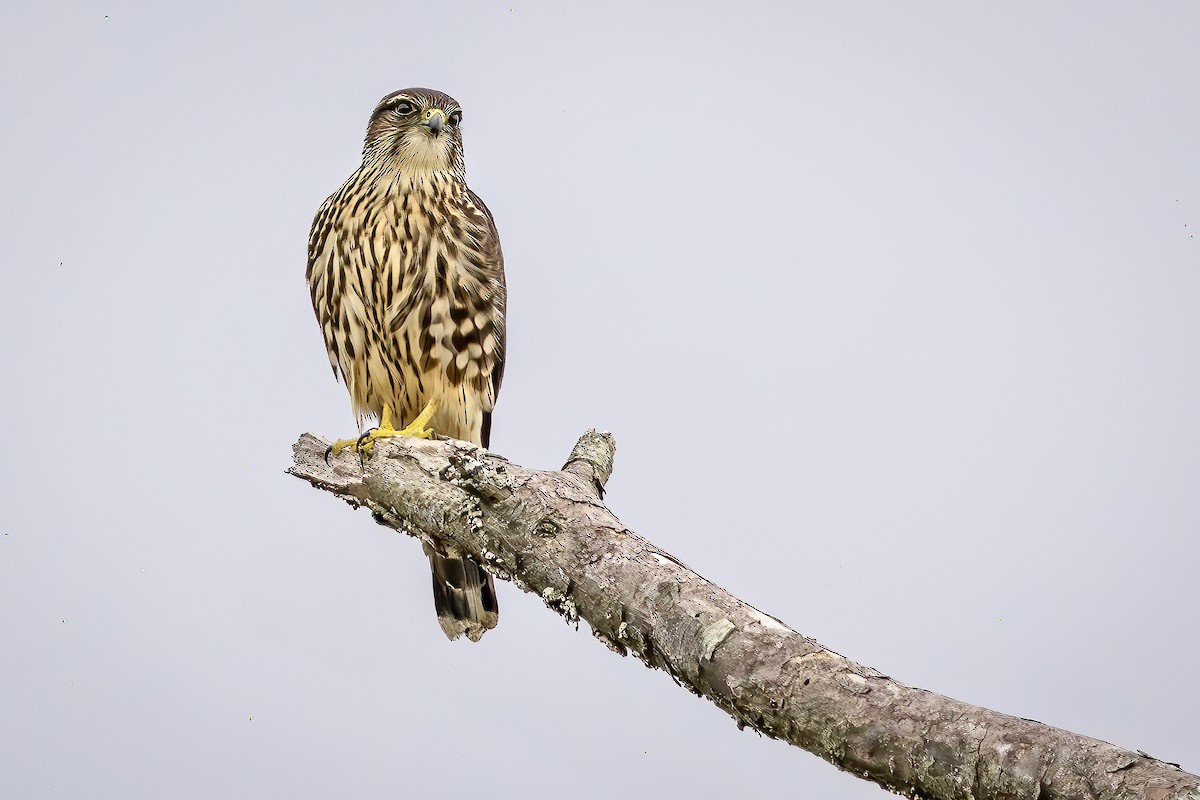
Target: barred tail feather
(464, 596)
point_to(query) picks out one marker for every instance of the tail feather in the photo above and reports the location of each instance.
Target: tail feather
(464, 596)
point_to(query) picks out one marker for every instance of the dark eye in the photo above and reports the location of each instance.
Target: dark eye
(403, 107)
(455, 119)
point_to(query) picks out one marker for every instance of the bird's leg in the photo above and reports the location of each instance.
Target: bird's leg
(365, 443)
(417, 427)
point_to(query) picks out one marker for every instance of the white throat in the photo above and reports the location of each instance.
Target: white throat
(423, 156)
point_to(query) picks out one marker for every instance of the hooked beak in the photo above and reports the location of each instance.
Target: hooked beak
(435, 120)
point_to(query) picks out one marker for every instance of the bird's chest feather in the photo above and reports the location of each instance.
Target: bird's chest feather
(425, 293)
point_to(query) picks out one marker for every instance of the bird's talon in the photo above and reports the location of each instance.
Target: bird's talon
(416, 431)
(337, 447)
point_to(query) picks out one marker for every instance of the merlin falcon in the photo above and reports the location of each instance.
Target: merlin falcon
(407, 281)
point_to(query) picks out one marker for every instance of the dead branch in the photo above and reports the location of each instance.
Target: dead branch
(550, 533)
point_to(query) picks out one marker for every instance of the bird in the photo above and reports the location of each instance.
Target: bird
(407, 281)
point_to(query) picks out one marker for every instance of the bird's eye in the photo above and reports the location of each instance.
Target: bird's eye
(455, 119)
(403, 107)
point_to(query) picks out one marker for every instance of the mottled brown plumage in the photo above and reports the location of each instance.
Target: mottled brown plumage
(407, 281)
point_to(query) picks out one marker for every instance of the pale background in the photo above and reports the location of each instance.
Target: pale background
(891, 307)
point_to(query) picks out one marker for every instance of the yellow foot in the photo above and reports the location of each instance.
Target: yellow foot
(366, 443)
(417, 427)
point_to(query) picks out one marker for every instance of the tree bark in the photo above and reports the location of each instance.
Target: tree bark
(550, 533)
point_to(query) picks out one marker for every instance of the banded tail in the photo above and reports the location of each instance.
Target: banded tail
(464, 596)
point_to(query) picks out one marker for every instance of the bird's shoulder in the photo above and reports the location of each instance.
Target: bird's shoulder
(332, 213)
(490, 243)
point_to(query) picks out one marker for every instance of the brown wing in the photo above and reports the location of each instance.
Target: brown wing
(495, 264)
(322, 282)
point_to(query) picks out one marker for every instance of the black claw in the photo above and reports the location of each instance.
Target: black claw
(362, 460)
(328, 453)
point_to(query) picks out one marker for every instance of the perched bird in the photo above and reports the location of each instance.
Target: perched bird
(407, 281)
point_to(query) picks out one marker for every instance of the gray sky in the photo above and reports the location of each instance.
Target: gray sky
(891, 307)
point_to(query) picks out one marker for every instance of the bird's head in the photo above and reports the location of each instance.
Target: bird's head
(417, 130)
